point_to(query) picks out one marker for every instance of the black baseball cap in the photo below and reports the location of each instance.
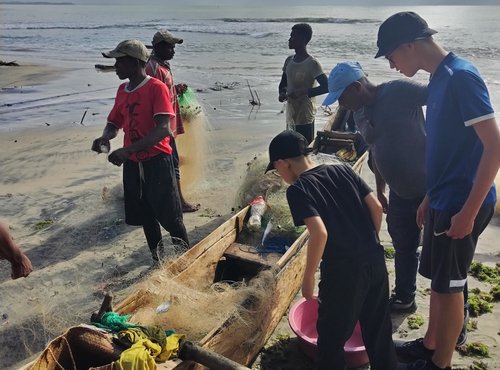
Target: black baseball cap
(287, 144)
(401, 28)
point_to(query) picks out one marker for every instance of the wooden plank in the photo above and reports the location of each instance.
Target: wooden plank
(201, 272)
(248, 253)
(236, 222)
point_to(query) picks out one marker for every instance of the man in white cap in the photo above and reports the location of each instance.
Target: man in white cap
(143, 109)
(159, 67)
(462, 160)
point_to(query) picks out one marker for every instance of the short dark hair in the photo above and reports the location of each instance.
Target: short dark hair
(303, 29)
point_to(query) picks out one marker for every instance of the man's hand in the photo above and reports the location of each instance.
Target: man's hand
(461, 225)
(119, 156)
(22, 267)
(101, 145)
(422, 212)
(383, 201)
(180, 88)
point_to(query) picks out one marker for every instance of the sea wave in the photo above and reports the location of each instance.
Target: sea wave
(301, 20)
(209, 28)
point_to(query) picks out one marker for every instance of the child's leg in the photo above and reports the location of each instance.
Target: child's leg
(375, 319)
(340, 302)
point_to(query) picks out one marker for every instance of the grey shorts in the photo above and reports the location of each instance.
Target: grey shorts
(447, 261)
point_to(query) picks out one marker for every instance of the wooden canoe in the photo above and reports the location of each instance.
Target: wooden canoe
(201, 265)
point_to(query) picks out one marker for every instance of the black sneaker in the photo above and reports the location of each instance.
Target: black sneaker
(399, 306)
(462, 338)
(413, 350)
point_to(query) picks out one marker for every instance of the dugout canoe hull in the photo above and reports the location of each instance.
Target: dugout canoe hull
(200, 263)
(232, 338)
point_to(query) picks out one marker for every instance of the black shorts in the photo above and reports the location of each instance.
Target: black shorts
(154, 195)
(447, 261)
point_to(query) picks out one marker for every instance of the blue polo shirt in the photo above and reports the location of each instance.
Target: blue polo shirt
(458, 98)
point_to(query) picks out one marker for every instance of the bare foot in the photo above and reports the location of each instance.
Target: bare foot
(187, 207)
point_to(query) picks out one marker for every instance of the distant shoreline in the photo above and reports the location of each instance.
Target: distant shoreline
(32, 3)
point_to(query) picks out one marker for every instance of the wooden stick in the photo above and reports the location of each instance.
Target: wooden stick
(191, 352)
(106, 306)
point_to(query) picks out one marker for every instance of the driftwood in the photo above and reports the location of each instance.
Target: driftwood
(104, 68)
(10, 64)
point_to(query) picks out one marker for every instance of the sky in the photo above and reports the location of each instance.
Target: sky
(284, 2)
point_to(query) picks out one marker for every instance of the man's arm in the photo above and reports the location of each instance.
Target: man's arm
(380, 183)
(20, 263)
(321, 89)
(315, 247)
(282, 88)
(110, 131)
(157, 134)
(489, 134)
(375, 209)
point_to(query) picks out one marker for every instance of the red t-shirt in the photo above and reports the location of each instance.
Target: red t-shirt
(157, 69)
(134, 112)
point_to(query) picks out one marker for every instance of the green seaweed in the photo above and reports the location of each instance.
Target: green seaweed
(495, 293)
(472, 325)
(485, 273)
(479, 302)
(43, 224)
(415, 321)
(389, 252)
(478, 365)
(474, 349)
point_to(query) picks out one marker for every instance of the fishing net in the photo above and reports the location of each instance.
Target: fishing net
(273, 189)
(189, 106)
(193, 309)
(192, 144)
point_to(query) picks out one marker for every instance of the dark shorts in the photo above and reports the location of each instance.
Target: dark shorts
(155, 196)
(447, 261)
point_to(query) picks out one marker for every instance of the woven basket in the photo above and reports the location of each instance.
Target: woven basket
(79, 348)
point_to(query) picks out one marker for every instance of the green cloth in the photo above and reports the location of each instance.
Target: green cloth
(114, 322)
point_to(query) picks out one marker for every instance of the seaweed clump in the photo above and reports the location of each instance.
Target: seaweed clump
(474, 349)
(485, 273)
(479, 302)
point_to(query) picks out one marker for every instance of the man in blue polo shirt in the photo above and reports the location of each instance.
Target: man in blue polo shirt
(462, 159)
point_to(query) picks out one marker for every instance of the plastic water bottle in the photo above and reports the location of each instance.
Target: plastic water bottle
(257, 209)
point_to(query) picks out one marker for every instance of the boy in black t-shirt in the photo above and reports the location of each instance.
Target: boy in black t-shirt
(343, 218)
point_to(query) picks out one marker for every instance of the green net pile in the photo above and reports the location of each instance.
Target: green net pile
(189, 106)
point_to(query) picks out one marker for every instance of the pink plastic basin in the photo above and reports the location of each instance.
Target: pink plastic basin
(302, 319)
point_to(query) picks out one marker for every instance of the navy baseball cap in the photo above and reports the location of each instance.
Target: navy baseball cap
(401, 28)
(287, 144)
(341, 76)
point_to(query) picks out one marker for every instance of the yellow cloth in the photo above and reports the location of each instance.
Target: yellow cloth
(140, 356)
(169, 345)
(171, 348)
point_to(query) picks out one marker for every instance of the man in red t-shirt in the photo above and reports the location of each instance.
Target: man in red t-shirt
(143, 109)
(158, 67)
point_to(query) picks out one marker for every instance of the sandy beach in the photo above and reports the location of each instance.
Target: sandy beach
(64, 206)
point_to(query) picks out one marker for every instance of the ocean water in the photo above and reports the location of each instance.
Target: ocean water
(227, 45)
